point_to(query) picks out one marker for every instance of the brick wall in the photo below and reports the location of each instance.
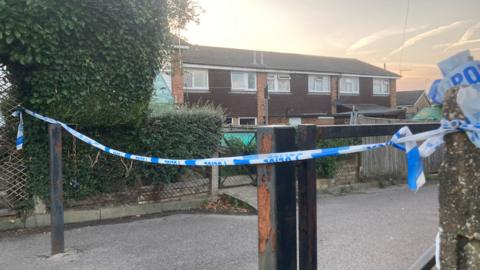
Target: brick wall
(278, 121)
(334, 94)
(261, 84)
(177, 79)
(393, 93)
(347, 170)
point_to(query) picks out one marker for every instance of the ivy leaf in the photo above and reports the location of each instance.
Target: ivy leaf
(9, 40)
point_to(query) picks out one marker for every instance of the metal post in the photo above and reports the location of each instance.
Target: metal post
(277, 245)
(307, 201)
(56, 188)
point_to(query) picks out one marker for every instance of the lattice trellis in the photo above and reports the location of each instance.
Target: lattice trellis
(12, 167)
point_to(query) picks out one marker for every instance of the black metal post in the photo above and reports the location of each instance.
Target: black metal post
(277, 245)
(56, 188)
(307, 200)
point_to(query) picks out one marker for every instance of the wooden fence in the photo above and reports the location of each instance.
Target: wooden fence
(389, 162)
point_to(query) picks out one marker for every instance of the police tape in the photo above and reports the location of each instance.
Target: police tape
(403, 140)
(459, 69)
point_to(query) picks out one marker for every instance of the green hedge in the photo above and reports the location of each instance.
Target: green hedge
(183, 133)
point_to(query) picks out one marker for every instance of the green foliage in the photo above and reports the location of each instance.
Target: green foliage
(236, 147)
(88, 62)
(92, 63)
(183, 133)
(327, 167)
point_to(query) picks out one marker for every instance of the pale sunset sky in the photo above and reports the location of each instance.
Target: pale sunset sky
(369, 30)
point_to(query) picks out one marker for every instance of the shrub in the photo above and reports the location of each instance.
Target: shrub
(92, 64)
(183, 133)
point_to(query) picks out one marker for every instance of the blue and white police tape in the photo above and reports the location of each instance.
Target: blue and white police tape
(403, 140)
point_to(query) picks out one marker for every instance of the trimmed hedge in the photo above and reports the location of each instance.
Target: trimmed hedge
(183, 133)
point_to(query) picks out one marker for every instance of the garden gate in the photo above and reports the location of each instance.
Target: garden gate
(238, 143)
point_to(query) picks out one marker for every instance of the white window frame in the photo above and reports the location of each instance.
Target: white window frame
(240, 120)
(384, 85)
(195, 87)
(354, 92)
(276, 77)
(312, 84)
(245, 81)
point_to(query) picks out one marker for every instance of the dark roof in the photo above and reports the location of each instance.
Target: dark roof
(216, 56)
(408, 97)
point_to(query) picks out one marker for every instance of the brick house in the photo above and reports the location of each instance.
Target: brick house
(301, 88)
(412, 101)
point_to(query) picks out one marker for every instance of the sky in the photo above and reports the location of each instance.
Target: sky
(375, 31)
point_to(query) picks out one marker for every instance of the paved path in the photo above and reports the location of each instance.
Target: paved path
(376, 229)
(246, 194)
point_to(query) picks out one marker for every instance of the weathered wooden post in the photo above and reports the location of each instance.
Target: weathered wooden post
(277, 219)
(307, 200)
(459, 196)
(56, 189)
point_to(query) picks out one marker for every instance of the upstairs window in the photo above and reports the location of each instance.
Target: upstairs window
(349, 85)
(278, 82)
(196, 79)
(244, 81)
(318, 84)
(381, 87)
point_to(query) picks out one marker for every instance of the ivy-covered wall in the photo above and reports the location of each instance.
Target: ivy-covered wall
(92, 65)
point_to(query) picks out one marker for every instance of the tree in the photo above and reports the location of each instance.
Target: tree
(88, 62)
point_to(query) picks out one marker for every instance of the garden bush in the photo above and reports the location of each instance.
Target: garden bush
(178, 134)
(92, 65)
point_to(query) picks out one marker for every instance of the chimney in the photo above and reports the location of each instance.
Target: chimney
(254, 57)
(261, 58)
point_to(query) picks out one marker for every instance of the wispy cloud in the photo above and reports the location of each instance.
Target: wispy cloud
(467, 38)
(430, 33)
(376, 36)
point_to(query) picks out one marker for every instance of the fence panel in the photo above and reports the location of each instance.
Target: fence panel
(389, 162)
(12, 168)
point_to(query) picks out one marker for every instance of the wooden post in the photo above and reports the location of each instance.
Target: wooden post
(277, 240)
(307, 201)
(459, 196)
(214, 179)
(56, 189)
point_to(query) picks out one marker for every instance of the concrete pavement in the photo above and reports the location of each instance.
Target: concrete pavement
(375, 229)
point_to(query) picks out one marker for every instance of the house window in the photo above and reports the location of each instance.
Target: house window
(349, 85)
(278, 82)
(248, 121)
(294, 121)
(228, 121)
(318, 84)
(195, 79)
(381, 87)
(245, 81)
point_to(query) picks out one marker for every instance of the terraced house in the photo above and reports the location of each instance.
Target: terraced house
(285, 88)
